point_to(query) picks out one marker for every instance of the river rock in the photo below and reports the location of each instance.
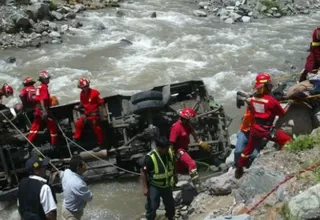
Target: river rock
(58, 16)
(307, 204)
(223, 12)
(10, 59)
(76, 24)
(64, 28)
(70, 15)
(125, 42)
(99, 26)
(259, 180)
(38, 28)
(221, 185)
(229, 21)
(53, 26)
(277, 15)
(235, 17)
(56, 41)
(64, 10)
(79, 8)
(153, 15)
(55, 34)
(35, 43)
(20, 19)
(120, 13)
(199, 13)
(202, 5)
(38, 11)
(245, 19)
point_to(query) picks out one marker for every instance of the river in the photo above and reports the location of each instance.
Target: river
(175, 46)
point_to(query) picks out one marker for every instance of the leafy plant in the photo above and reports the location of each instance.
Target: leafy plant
(285, 213)
(303, 142)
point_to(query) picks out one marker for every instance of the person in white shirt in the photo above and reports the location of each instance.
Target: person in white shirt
(75, 190)
(36, 201)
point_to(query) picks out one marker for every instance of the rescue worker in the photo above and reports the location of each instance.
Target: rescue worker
(28, 93)
(91, 101)
(6, 91)
(313, 60)
(179, 138)
(42, 110)
(264, 108)
(157, 177)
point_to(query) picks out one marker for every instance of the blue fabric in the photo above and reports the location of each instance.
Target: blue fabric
(316, 84)
(75, 191)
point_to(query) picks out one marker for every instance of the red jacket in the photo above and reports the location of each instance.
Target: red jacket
(91, 100)
(28, 95)
(42, 93)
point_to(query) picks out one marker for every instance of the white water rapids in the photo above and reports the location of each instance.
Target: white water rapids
(175, 46)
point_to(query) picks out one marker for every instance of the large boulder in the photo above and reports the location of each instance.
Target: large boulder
(20, 19)
(307, 204)
(221, 185)
(298, 120)
(259, 180)
(39, 11)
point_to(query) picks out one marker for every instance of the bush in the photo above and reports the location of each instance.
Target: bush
(52, 6)
(303, 142)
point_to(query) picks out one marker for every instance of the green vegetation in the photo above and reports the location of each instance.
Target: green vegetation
(53, 6)
(303, 142)
(270, 4)
(285, 213)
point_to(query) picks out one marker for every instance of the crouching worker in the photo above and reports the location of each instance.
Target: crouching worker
(157, 177)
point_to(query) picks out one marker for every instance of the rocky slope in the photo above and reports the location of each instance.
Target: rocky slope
(32, 24)
(231, 11)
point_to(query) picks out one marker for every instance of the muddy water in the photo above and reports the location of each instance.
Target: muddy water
(176, 46)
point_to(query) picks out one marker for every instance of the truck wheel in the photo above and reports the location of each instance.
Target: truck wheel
(147, 105)
(146, 95)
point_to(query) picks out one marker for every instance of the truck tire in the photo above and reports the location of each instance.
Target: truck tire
(147, 105)
(146, 95)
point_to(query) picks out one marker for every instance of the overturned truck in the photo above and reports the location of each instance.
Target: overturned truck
(132, 122)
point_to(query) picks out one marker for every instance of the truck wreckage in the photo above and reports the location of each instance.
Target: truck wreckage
(132, 122)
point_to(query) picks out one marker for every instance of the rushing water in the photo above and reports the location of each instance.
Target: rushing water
(175, 46)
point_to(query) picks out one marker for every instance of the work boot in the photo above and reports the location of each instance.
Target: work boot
(196, 180)
(238, 173)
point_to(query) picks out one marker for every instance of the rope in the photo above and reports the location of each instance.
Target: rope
(127, 171)
(290, 176)
(64, 135)
(54, 167)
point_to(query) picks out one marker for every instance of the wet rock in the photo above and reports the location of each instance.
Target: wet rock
(56, 41)
(120, 13)
(64, 10)
(38, 28)
(79, 8)
(10, 59)
(58, 16)
(55, 34)
(202, 5)
(229, 21)
(223, 12)
(307, 204)
(277, 15)
(245, 19)
(221, 185)
(45, 33)
(20, 19)
(76, 24)
(200, 13)
(70, 15)
(53, 26)
(153, 15)
(38, 11)
(125, 42)
(35, 43)
(235, 17)
(99, 26)
(64, 28)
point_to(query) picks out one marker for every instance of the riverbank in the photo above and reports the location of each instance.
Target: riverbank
(32, 24)
(231, 11)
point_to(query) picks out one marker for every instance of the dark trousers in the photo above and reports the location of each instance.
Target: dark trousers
(153, 202)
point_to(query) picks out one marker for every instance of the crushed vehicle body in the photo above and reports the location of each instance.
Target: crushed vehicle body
(131, 123)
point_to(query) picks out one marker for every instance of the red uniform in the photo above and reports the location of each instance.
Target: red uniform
(90, 102)
(28, 96)
(179, 136)
(265, 108)
(42, 93)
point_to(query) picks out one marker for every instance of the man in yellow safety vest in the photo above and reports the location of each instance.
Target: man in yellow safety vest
(157, 177)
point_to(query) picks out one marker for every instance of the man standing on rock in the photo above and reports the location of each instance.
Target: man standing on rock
(313, 59)
(41, 110)
(157, 178)
(91, 101)
(179, 138)
(264, 108)
(75, 191)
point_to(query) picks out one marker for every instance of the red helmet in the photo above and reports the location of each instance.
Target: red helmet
(7, 90)
(262, 79)
(83, 82)
(44, 74)
(28, 80)
(187, 113)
